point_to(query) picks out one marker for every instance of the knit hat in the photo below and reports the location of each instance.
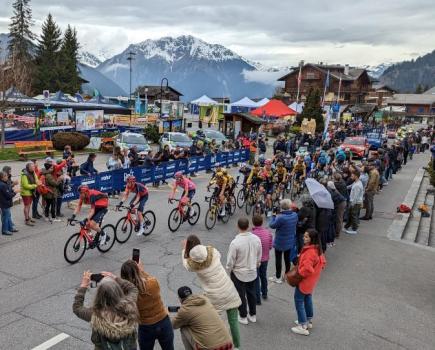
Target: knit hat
(331, 185)
(184, 292)
(198, 253)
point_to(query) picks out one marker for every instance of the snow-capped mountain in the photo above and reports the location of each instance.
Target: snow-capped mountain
(191, 65)
(89, 59)
(377, 71)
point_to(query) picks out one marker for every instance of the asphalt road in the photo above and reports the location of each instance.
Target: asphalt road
(374, 293)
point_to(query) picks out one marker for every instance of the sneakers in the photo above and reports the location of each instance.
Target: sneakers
(275, 280)
(7, 233)
(47, 220)
(350, 232)
(29, 223)
(243, 320)
(252, 318)
(300, 330)
(57, 220)
(103, 239)
(310, 324)
(141, 231)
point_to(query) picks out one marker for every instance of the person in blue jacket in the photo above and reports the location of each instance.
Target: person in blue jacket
(285, 238)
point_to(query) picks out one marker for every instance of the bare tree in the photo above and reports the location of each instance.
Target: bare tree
(13, 74)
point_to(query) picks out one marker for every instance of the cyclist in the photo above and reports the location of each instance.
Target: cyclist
(254, 176)
(280, 178)
(141, 197)
(224, 183)
(189, 189)
(267, 175)
(299, 171)
(99, 202)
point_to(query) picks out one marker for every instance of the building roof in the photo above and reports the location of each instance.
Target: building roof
(430, 91)
(411, 99)
(247, 116)
(204, 100)
(380, 86)
(335, 71)
(154, 90)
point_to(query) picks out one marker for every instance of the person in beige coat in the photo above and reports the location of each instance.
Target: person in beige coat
(217, 285)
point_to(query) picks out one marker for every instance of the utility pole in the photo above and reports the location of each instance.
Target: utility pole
(130, 58)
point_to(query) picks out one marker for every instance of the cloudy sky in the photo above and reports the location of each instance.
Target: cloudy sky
(278, 33)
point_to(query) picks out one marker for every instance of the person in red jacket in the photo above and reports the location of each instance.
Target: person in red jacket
(310, 265)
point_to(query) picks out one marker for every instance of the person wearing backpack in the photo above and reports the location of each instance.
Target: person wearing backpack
(48, 188)
(113, 315)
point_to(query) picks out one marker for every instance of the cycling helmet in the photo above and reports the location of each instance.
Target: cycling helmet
(83, 189)
(256, 164)
(224, 171)
(178, 175)
(219, 174)
(322, 160)
(268, 162)
(131, 179)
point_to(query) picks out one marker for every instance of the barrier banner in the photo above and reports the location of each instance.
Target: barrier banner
(109, 181)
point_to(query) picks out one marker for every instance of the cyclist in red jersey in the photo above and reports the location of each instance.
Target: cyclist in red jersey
(141, 197)
(189, 188)
(99, 202)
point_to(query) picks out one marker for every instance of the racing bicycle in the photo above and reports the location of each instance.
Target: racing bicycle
(125, 225)
(180, 214)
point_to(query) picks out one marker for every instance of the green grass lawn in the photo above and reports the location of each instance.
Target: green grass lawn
(10, 153)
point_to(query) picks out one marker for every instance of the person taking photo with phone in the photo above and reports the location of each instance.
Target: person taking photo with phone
(113, 314)
(154, 322)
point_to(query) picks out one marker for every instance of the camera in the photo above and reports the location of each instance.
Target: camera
(95, 279)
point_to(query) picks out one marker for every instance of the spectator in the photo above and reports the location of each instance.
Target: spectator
(252, 151)
(243, 259)
(133, 156)
(114, 162)
(310, 265)
(6, 196)
(87, 168)
(432, 150)
(371, 189)
(36, 195)
(306, 220)
(355, 202)
(285, 238)
(199, 323)
(154, 322)
(113, 316)
(262, 146)
(52, 191)
(126, 162)
(339, 207)
(266, 245)
(424, 143)
(218, 287)
(8, 170)
(59, 165)
(29, 182)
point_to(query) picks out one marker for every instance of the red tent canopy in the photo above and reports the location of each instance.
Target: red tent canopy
(274, 108)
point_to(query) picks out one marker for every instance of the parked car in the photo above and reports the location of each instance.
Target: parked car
(375, 140)
(175, 139)
(358, 145)
(129, 139)
(208, 135)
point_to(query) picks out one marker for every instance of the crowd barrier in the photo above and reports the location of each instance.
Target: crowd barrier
(115, 180)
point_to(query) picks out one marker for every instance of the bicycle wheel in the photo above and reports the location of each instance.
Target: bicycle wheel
(75, 248)
(293, 190)
(249, 205)
(210, 217)
(174, 220)
(225, 218)
(232, 205)
(149, 222)
(194, 219)
(241, 198)
(110, 232)
(123, 228)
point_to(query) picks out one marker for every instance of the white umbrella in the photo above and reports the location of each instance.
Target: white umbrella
(319, 194)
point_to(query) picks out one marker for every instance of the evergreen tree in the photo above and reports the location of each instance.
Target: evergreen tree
(47, 72)
(419, 89)
(20, 35)
(312, 110)
(70, 78)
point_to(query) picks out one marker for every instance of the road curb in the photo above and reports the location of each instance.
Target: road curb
(398, 226)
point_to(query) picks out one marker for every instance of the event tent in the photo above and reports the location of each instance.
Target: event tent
(204, 100)
(244, 105)
(262, 102)
(298, 107)
(274, 108)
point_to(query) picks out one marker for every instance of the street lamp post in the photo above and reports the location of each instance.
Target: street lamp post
(161, 93)
(130, 58)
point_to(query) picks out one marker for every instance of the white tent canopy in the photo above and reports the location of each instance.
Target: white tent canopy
(245, 102)
(204, 100)
(298, 107)
(262, 102)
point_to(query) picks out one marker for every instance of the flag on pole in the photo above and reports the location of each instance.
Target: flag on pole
(299, 82)
(326, 87)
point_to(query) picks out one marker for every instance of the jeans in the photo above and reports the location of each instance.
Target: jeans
(7, 225)
(304, 306)
(35, 202)
(50, 208)
(368, 203)
(261, 281)
(353, 217)
(58, 205)
(246, 290)
(161, 331)
(278, 261)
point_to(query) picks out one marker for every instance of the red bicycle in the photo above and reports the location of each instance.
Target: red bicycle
(125, 225)
(179, 215)
(79, 242)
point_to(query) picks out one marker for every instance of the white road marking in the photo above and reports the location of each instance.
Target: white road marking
(51, 342)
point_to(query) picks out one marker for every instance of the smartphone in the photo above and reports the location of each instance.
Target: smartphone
(96, 277)
(136, 255)
(173, 308)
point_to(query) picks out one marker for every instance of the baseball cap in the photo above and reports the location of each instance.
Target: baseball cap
(184, 292)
